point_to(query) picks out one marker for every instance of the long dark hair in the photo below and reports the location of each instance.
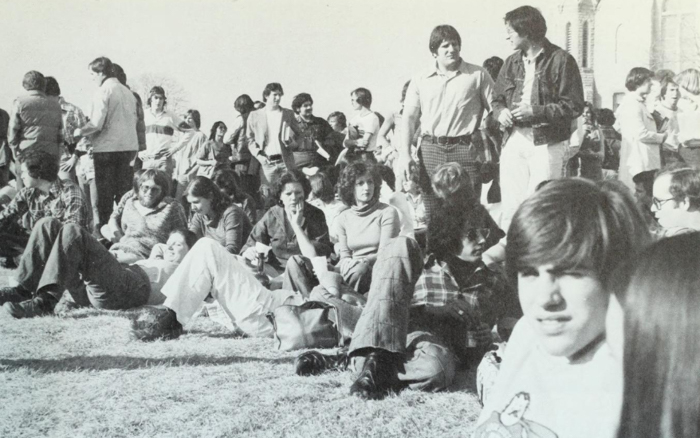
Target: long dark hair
(203, 187)
(353, 171)
(214, 127)
(660, 293)
(229, 185)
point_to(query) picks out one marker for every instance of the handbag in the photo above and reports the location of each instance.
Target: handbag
(306, 326)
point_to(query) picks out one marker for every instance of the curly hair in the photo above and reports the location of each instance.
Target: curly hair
(203, 187)
(40, 165)
(350, 175)
(292, 176)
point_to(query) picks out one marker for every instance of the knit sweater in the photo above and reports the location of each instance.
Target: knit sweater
(230, 229)
(142, 232)
(362, 234)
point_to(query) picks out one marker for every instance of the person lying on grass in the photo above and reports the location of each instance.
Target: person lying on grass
(209, 269)
(424, 317)
(62, 257)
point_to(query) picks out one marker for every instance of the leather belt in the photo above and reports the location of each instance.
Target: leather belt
(444, 140)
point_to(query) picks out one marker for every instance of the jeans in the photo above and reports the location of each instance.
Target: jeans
(113, 177)
(273, 171)
(209, 268)
(68, 257)
(89, 189)
(524, 166)
(384, 323)
(13, 240)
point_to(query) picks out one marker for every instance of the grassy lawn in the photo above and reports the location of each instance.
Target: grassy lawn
(82, 376)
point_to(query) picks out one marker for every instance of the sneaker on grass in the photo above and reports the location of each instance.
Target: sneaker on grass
(41, 305)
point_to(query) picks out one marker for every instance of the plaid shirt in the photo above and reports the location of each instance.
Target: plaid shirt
(73, 118)
(486, 290)
(63, 202)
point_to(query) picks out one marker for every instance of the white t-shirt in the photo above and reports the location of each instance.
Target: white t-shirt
(274, 124)
(367, 123)
(539, 395)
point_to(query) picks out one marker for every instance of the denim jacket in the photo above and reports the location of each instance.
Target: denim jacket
(557, 93)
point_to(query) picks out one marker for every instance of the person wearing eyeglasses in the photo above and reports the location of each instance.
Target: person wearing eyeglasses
(676, 200)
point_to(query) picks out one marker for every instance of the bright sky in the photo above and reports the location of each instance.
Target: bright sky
(219, 49)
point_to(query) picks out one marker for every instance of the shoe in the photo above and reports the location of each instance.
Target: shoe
(40, 305)
(379, 376)
(156, 323)
(312, 363)
(13, 294)
(65, 305)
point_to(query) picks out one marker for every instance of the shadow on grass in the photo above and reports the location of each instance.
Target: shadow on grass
(101, 363)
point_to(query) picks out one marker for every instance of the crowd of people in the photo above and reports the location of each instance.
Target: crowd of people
(591, 289)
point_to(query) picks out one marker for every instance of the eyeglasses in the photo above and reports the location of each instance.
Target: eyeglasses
(474, 234)
(658, 203)
(145, 188)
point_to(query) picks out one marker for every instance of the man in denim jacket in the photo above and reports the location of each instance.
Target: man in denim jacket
(537, 96)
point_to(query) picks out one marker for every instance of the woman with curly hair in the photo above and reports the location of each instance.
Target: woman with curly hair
(215, 216)
(365, 227)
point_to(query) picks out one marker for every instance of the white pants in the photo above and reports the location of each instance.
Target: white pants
(209, 268)
(524, 166)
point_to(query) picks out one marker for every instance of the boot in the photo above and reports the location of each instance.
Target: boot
(379, 376)
(312, 363)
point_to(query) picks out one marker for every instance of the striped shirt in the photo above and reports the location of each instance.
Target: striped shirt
(160, 129)
(63, 202)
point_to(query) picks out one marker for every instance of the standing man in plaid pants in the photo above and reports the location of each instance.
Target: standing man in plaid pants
(449, 101)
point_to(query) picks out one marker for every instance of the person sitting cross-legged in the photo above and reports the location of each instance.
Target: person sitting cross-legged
(68, 257)
(417, 339)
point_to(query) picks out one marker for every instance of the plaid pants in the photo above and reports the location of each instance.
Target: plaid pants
(384, 323)
(433, 155)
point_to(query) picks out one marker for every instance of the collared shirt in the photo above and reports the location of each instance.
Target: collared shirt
(451, 104)
(73, 118)
(114, 118)
(160, 129)
(63, 202)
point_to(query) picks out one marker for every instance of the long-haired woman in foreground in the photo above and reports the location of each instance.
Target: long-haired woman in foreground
(652, 322)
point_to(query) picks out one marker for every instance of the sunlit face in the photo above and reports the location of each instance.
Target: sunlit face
(306, 110)
(28, 181)
(220, 132)
(364, 189)
(335, 124)
(671, 97)
(447, 53)
(158, 102)
(516, 41)
(190, 121)
(200, 205)
(666, 210)
(644, 89)
(176, 248)
(566, 308)
(273, 99)
(150, 193)
(354, 103)
(292, 196)
(410, 186)
(97, 78)
(588, 115)
(615, 327)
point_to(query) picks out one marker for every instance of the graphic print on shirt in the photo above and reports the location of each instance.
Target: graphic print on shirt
(510, 423)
